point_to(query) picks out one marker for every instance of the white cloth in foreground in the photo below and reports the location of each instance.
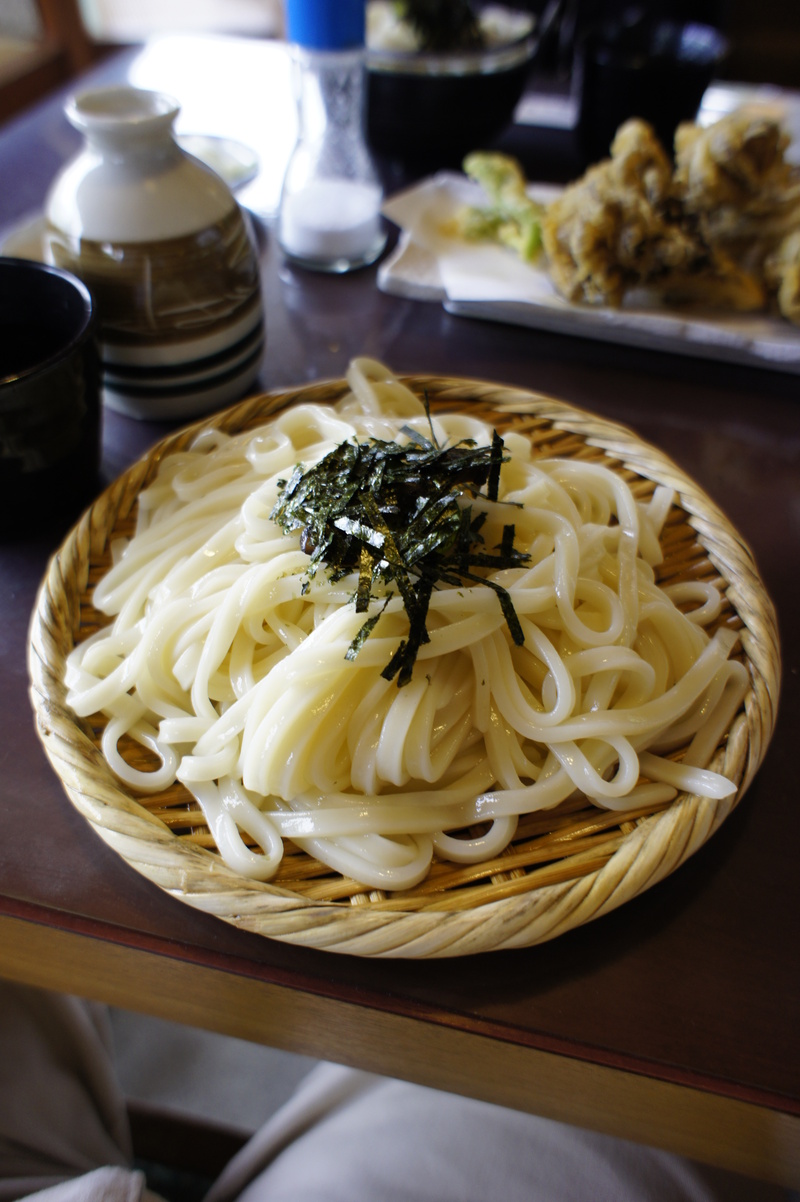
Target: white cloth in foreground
(345, 1136)
(61, 1109)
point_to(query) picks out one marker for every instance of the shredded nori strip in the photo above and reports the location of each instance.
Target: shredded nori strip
(399, 514)
(444, 25)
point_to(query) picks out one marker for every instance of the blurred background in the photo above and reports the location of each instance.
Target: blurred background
(49, 39)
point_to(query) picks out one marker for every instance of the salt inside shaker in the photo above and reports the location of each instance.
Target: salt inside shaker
(329, 215)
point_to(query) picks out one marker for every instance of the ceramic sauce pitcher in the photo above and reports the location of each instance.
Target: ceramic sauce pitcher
(165, 249)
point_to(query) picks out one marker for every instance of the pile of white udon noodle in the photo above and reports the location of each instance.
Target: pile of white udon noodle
(220, 663)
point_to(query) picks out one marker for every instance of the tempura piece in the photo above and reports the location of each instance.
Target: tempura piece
(714, 281)
(640, 162)
(622, 226)
(511, 216)
(734, 178)
(598, 236)
(782, 272)
(599, 241)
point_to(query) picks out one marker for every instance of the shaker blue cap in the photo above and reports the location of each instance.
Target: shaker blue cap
(325, 24)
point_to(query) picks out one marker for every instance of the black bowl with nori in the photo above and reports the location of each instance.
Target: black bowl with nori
(429, 108)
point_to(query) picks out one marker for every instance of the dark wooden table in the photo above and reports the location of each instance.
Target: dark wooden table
(671, 1021)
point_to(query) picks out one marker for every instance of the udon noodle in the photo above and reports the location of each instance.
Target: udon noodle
(229, 663)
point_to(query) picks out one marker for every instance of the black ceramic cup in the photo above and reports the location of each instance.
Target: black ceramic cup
(50, 421)
(640, 66)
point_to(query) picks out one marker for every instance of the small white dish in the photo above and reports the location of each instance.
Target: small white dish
(234, 162)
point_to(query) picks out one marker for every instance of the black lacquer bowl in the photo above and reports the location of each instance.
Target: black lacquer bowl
(49, 396)
(430, 109)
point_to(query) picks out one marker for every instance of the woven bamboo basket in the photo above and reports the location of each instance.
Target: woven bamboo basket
(564, 868)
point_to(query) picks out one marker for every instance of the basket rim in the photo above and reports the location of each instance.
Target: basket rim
(648, 853)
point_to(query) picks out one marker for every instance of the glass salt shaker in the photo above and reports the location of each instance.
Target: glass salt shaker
(329, 215)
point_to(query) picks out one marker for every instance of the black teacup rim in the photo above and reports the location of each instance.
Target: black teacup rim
(84, 328)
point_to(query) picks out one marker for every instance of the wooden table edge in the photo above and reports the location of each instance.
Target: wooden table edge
(745, 1136)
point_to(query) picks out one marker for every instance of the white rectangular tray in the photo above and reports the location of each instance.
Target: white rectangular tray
(491, 283)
